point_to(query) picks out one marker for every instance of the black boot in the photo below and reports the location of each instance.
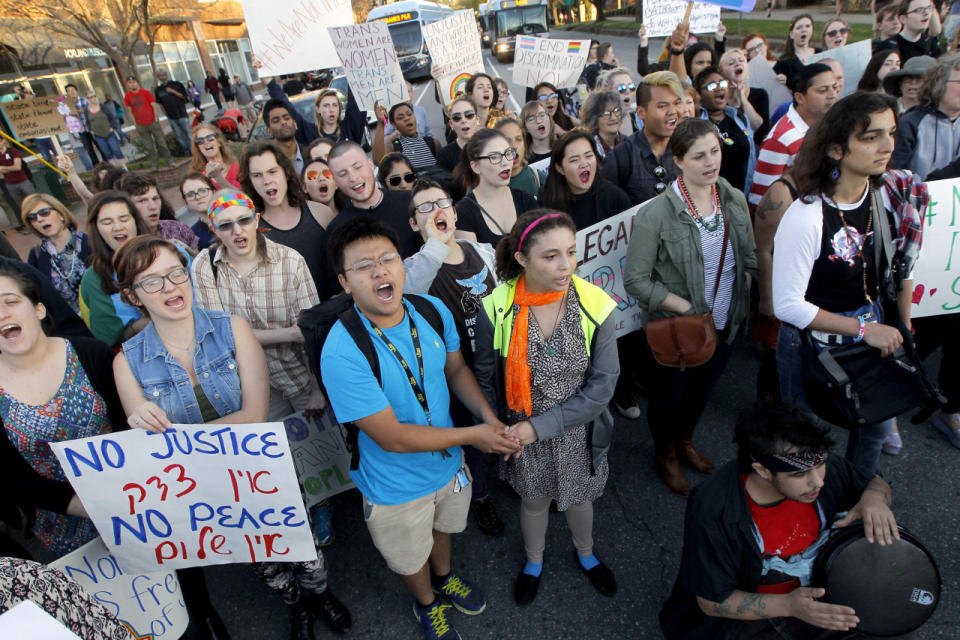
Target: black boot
(301, 622)
(333, 612)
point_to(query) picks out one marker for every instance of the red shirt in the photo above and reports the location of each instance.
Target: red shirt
(7, 158)
(141, 103)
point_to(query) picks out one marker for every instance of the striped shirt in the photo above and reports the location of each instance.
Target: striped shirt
(418, 152)
(777, 153)
(270, 296)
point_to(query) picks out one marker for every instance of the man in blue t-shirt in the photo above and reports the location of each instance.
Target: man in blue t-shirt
(415, 485)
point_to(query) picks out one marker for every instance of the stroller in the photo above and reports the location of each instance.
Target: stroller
(230, 122)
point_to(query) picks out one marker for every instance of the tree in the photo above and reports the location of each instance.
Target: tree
(599, 6)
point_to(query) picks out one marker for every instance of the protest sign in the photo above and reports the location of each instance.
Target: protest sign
(28, 620)
(34, 118)
(193, 495)
(602, 251)
(150, 604)
(320, 455)
(661, 17)
(559, 62)
(852, 57)
(763, 77)
(291, 35)
(370, 63)
(455, 52)
(936, 278)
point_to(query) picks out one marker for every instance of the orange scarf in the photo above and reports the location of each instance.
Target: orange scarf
(518, 371)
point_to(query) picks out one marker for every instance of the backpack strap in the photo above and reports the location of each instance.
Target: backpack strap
(213, 265)
(396, 145)
(354, 325)
(426, 309)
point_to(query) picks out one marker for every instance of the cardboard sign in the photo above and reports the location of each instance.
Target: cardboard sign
(936, 278)
(28, 620)
(320, 456)
(661, 17)
(34, 118)
(150, 604)
(602, 251)
(288, 36)
(763, 77)
(559, 62)
(853, 58)
(193, 495)
(455, 53)
(370, 63)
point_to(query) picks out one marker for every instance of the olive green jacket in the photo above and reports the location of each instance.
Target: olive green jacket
(665, 255)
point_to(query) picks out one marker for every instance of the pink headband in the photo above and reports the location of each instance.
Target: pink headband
(235, 199)
(530, 226)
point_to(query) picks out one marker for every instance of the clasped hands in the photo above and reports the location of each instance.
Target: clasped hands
(494, 436)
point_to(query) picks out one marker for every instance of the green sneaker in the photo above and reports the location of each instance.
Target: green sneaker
(433, 621)
(461, 594)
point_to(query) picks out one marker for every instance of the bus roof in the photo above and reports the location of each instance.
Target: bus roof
(405, 6)
(497, 5)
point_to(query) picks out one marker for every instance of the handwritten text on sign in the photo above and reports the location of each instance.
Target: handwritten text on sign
(320, 456)
(454, 44)
(370, 62)
(291, 35)
(34, 118)
(559, 62)
(151, 604)
(602, 250)
(936, 278)
(661, 17)
(193, 495)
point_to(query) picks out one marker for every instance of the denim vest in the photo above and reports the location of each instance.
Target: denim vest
(166, 383)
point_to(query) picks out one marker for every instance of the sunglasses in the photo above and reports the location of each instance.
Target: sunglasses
(833, 33)
(39, 213)
(394, 181)
(205, 139)
(313, 174)
(716, 84)
(660, 173)
(623, 88)
(548, 96)
(457, 116)
(428, 207)
(227, 227)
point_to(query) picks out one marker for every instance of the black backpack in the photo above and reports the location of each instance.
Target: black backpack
(316, 323)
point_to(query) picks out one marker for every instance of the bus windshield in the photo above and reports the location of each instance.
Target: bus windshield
(522, 20)
(407, 38)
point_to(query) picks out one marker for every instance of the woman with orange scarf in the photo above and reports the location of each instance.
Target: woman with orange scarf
(546, 359)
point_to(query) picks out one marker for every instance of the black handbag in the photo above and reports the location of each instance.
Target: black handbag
(855, 385)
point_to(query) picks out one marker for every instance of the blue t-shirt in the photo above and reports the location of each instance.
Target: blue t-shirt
(383, 477)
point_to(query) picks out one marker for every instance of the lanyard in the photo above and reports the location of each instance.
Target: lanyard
(417, 389)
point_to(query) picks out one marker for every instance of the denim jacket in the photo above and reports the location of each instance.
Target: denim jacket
(166, 383)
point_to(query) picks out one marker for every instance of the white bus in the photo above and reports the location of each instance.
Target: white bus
(506, 18)
(405, 20)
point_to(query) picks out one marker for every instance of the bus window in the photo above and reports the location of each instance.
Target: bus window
(407, 38)
(521, 20)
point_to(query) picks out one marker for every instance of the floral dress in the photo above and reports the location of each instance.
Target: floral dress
(75, 411)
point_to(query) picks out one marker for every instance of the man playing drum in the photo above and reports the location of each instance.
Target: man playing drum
(752, 532)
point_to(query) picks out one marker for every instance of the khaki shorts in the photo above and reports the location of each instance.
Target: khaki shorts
(403, 533)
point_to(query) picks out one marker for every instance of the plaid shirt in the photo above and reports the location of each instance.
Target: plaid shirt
(270, 296)
(906, 196)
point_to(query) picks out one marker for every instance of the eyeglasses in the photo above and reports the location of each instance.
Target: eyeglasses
(39, 213)
(548, 96)
(623, 88)
(366, 265)
(457, 116)
(716, 84)
(924, 11)
(833, 33)
(428, 207)
(496, 157)
(199, 193)
(615, 113)
(227, 227)
(313, 174)
(205, 139)
(153, 284)
(409, 177)
(660, 173)
(541, 115)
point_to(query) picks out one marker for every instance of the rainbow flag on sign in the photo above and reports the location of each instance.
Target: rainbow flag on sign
(526, 42)
(573, 47)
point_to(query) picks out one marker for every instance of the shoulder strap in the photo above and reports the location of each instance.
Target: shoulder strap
(425, 308)
(622, 155)
(432, 144)
(213, 265)
(723, 256)
(883, 245)
(354, 325)
(396, 145)
(484, 213)
(536, 178)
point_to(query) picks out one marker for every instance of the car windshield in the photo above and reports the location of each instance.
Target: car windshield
(522, 20)
(407, 39)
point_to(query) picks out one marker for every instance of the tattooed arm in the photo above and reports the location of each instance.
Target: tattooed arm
(801, 604)
(769, 212)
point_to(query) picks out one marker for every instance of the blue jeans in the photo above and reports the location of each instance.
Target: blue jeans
(81, 150)
(45, 147)
(864, 443)
(181, 127)
(109, 147)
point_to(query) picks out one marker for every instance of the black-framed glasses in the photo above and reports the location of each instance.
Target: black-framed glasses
(153, 284)
(614, 113)
(623, 88)
(39, 213)
(497, 157)
(548, 96)
(541, 115)
(227, 227)
(457, 116)
(210, 137)
(833, 33)
(366, 265)
(428, 207)
(199, 193)
(409, 177)
(924, 11)
(660, 173)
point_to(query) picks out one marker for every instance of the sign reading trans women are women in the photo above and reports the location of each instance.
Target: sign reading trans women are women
(193, 495)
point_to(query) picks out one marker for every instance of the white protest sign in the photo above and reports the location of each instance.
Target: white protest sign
(559, 62)
(151, 604)
(602, 250)
(28, 620)
(455, 53)
(661, 17)
(320, 455)
(370, 63)
(936, 278)
(288, 36)
(763, 77)
(852, 57)
(193, 495)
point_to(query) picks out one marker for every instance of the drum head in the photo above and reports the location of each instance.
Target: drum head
(894, 589)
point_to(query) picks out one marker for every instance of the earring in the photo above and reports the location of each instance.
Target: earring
(835, 173)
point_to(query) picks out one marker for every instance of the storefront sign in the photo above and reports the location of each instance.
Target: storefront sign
(88, 52)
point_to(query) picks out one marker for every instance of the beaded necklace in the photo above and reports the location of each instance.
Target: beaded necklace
(695, 212)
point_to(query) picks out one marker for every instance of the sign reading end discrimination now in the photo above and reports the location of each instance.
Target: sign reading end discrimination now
(34, 118)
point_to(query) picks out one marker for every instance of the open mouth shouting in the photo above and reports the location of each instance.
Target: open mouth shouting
(385, 292)
(120, 238)
(542, 129)
(175, 303)
(46, 228)
(272, 194)
(585, 176)
(323, 188)
(441, 222)
(10, 331)
(504, 175)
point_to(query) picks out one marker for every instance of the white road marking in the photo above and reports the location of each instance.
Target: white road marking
(493, 69)
(422, 93)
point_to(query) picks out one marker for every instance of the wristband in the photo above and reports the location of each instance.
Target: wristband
(863, 328)
(674, 52)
